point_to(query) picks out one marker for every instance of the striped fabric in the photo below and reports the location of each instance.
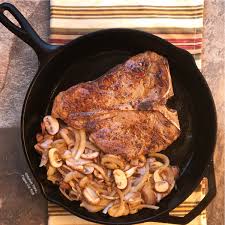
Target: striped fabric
(178, 21)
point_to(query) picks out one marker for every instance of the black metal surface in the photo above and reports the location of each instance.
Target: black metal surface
(90, 56)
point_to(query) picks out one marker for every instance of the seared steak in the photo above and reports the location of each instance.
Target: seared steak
(124, 110)
(139, 83)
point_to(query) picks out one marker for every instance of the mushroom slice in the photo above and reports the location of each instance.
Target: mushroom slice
(156, 176)
(53, 158)
(51, 124)
(164, 174)
(91, 196)
(120, 178)
(162, 186)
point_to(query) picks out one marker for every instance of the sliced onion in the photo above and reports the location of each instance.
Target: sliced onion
(82, 144)
(105, 210)
(164, 158)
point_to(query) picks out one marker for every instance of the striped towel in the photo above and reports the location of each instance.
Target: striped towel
(178, 21)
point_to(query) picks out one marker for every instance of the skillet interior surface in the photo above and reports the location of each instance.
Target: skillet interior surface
(88, 58)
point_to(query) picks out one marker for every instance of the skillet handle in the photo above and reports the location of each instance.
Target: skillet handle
(209, 173)
(26, 32)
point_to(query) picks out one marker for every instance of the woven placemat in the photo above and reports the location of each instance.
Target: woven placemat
(178, 21)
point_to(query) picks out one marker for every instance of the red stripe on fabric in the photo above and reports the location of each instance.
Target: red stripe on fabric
(190, 47)
(189, 40)
(60, 41)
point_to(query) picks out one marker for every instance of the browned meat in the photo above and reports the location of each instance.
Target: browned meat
(139, 83)
(124, 110)
(132, 133)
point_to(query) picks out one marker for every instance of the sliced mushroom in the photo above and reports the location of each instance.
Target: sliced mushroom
(120, 178)
(162, 186)
(167, 174)
(131, 171)
(53, 158)
(91, 195)
(148, 194)
(51, 124)
(164, 174)
(156, 176)
(91, 155)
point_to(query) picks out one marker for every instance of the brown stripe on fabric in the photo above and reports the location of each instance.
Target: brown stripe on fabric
(65, 16)
(154, 30)
(129, 7)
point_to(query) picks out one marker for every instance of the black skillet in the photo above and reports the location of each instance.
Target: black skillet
(88, 57)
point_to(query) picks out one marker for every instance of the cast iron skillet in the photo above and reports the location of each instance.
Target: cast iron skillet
(88, 57)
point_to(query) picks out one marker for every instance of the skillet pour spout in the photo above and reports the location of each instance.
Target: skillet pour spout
(88, 57)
